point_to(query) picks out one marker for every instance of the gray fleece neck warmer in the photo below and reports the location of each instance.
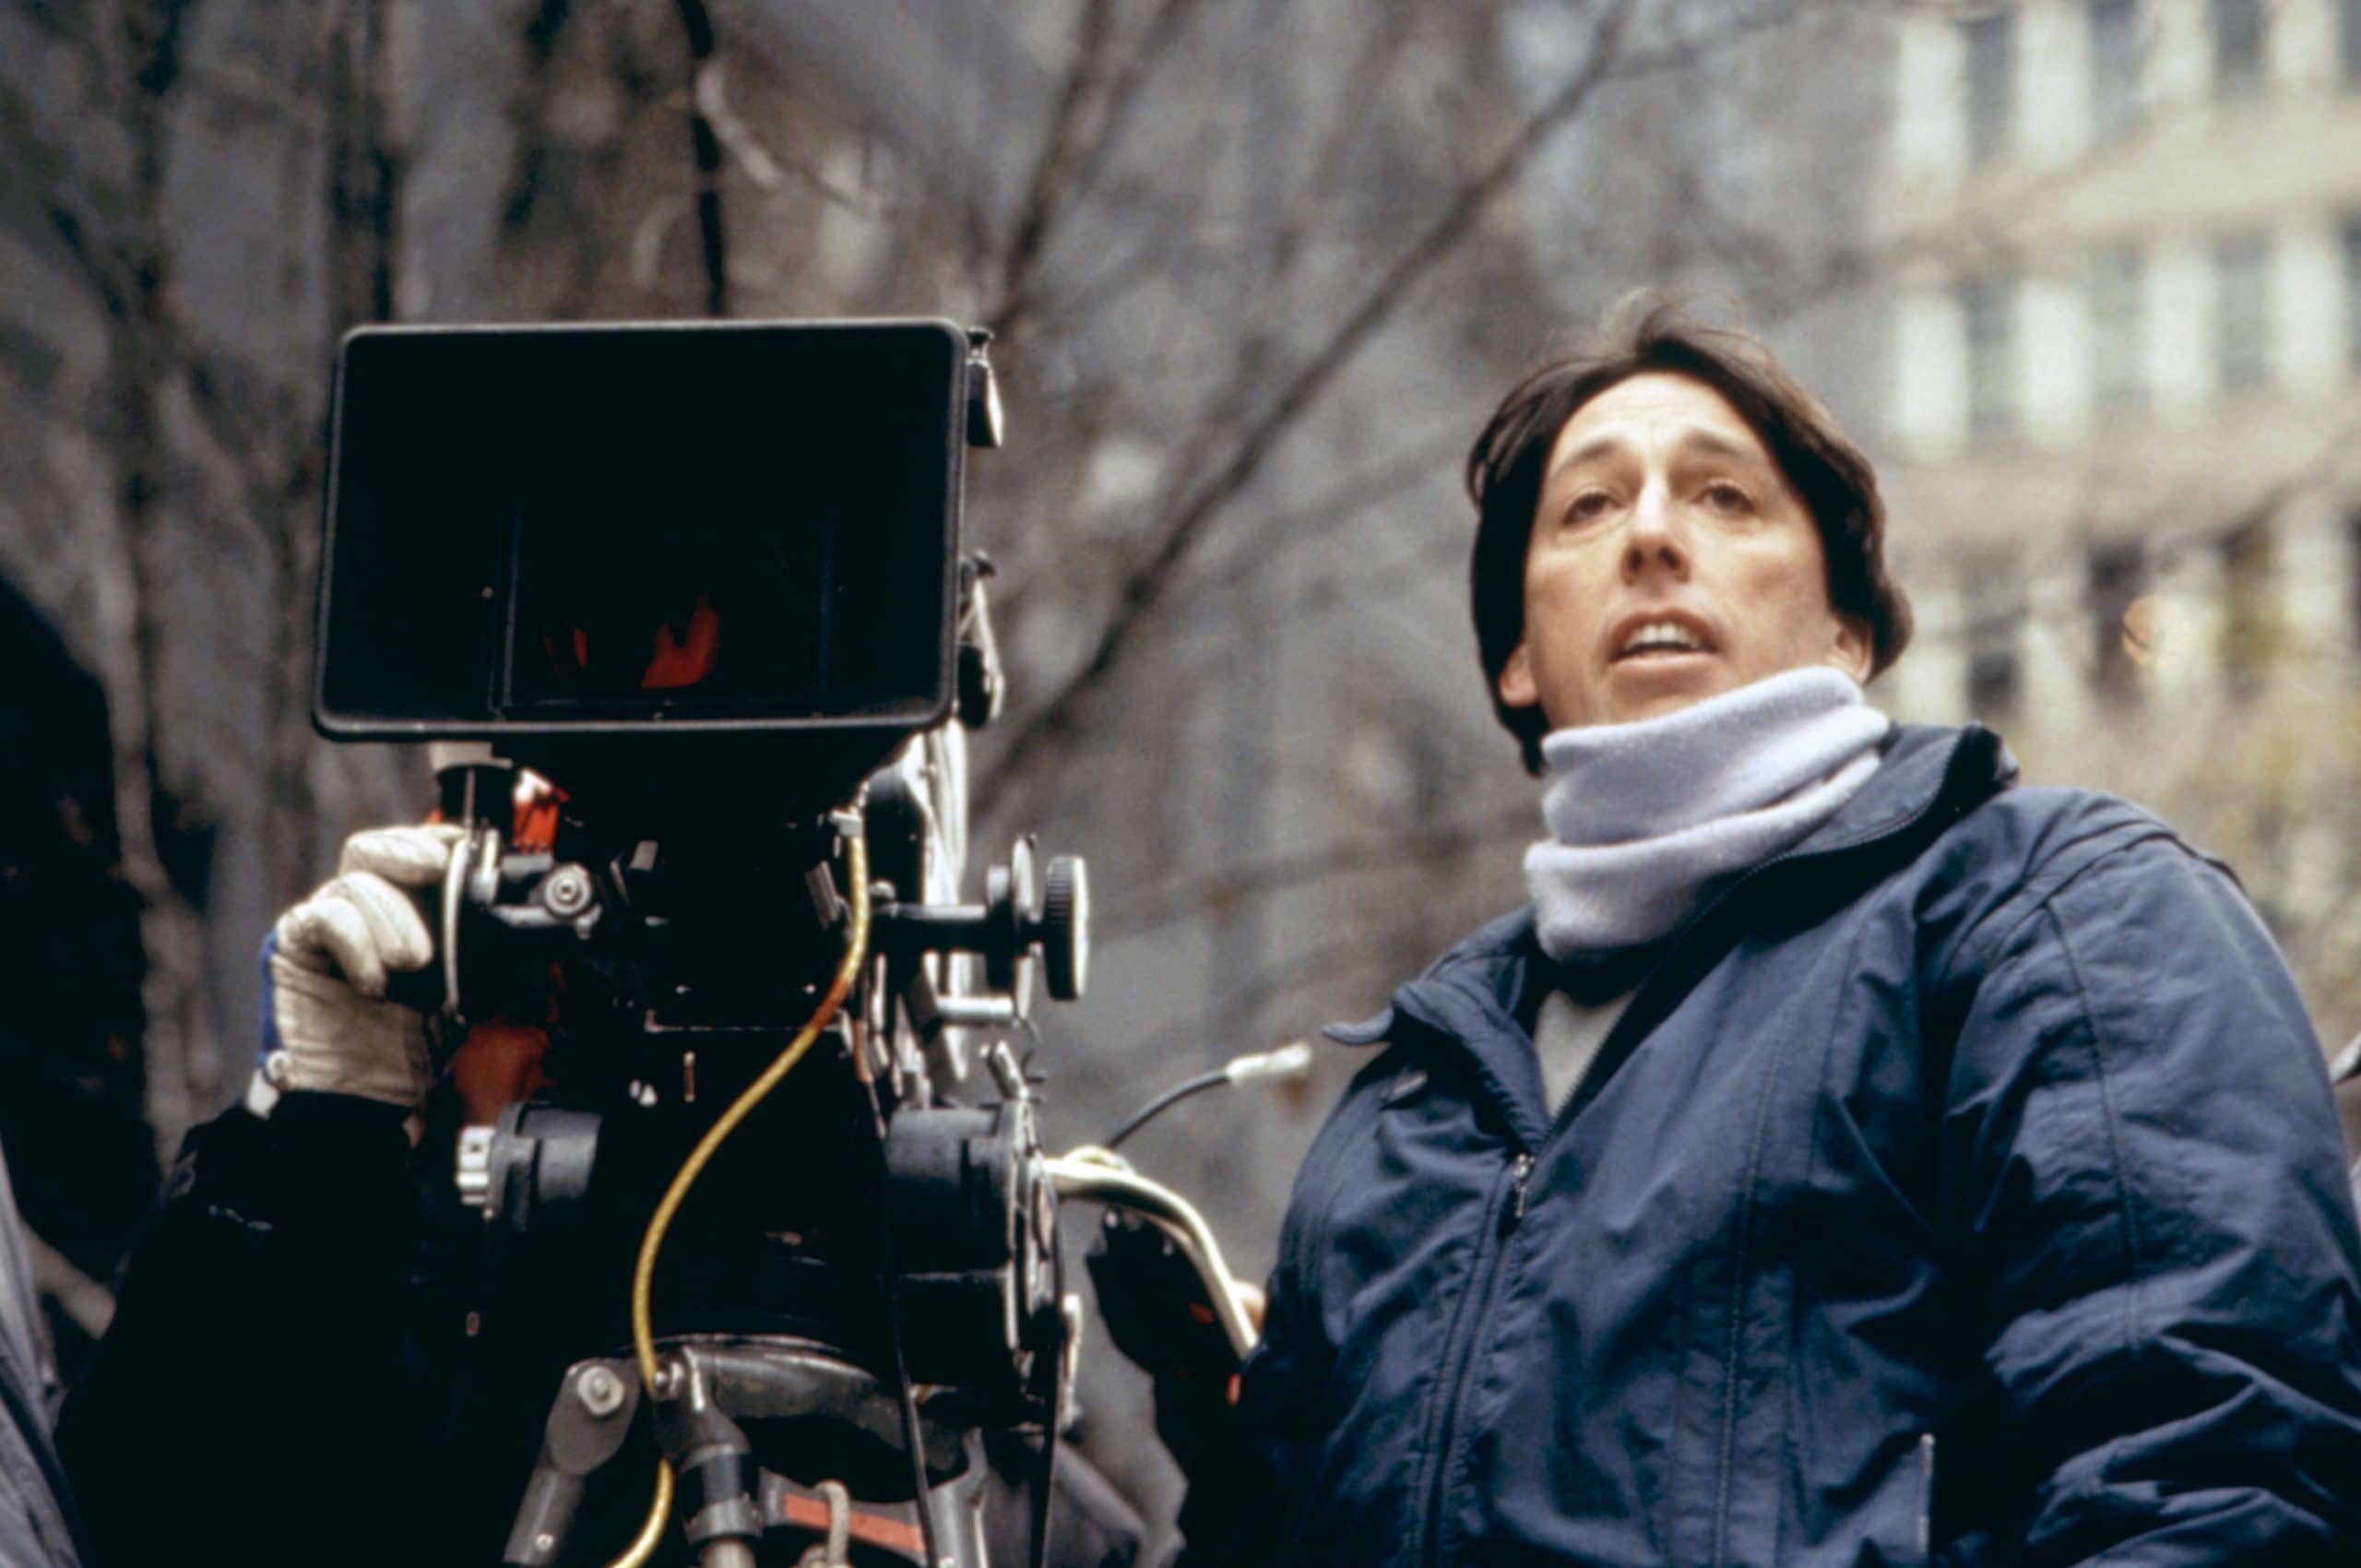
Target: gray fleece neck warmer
(1641, 816)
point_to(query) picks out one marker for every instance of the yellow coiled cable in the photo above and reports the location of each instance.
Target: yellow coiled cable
(643, 1332)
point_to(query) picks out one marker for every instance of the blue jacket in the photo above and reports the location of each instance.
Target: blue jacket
(1961, 1186)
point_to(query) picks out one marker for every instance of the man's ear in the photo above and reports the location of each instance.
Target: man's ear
(1852, 649)
(1515, 684)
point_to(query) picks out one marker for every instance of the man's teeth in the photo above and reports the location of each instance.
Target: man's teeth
(1661, 633)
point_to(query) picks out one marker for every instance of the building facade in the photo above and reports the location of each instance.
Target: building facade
(2125, 386)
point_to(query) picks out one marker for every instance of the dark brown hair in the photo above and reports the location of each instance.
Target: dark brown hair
(1506, 467)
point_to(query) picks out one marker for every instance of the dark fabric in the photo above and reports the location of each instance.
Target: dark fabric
(299, 1371)
(1961, 1187)
(251, 1398)
(1090, 1521)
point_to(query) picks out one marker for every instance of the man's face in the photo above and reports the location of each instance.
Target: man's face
(1671, 560)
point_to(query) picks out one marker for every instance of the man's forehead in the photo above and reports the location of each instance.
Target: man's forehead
(1656, 408)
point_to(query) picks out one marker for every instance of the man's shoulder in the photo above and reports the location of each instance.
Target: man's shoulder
(2022, 848)
(1487, 958)
(2045, 828)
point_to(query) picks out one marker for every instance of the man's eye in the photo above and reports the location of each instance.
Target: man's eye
(1589, 505)
(1724, 496)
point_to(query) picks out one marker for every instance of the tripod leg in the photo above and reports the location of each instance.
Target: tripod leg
(588, 1421)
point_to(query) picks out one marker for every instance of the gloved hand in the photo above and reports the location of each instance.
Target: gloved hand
(1156, 1311)
(327, 1025)
(1155, 1304)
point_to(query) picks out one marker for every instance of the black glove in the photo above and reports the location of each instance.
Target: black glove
(1158, 1314)
(1155, 1304)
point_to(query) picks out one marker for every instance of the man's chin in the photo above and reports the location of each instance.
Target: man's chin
(1652, 685)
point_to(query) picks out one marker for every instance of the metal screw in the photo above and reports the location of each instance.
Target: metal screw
(567, 891)
(473, 1180)
(600, 1391)
(544, 1542)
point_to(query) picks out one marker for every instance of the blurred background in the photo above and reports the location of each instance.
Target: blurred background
(2083, 276)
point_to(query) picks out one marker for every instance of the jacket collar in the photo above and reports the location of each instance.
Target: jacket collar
(1930, 776)
(1924, 764)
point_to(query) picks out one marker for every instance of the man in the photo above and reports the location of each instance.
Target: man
(1848, 1156)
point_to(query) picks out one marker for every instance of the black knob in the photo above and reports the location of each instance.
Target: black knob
(1063, 927)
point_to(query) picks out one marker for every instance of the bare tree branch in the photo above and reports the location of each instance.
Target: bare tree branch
(129, 268)
(1682, 52)
(1427, 844)
(1334, 509)
(1077, 145)
(1052, 185)
(767, 169)
(1149, 577)
(1356, 100)
(1328, 964)
(706, 145)
(1125, 90)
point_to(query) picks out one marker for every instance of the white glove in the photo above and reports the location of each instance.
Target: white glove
(326, 1024)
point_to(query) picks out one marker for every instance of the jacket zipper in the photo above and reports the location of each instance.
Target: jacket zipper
(1503, 1215)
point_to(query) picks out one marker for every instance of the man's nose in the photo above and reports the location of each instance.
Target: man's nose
(1656, 538)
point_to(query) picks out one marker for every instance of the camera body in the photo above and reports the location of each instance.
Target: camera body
(696, 589)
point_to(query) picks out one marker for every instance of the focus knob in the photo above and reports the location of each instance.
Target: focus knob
(1063, 927)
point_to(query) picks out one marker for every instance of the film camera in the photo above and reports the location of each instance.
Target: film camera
(781, 1233)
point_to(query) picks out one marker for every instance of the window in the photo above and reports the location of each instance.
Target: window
(2237, 48)
(2115, 67)
(2353, 571)
(1992, 585)
(2119, 330)
(1992, 682)
(2249, 605)
(2242, 310)
(2353, 292)
(1986, 307)
(1990, 41)
(2116, 575)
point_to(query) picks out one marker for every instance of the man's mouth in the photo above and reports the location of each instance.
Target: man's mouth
(1654, 639)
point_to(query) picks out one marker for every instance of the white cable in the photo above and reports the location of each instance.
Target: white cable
(1099, 1174)
(1287, 1062)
